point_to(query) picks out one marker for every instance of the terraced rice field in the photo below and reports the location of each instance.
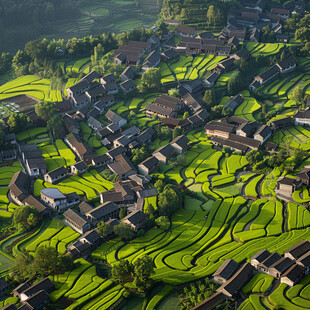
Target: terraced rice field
(297, 137)
(248, 107)
(264, 49)
(188, 68)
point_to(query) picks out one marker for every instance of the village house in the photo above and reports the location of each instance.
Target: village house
(281, 123)
(135, 219)
(3, 287)
(259, 258)
(192, 86)
(304, 176)
(180, 144)
(79, 147)
(224, 65)
(169, 54)
(54, 198)
(56, 175)
(211, 79)
(115, 118)
(10, 138)
(263, 134)
(127, 86)
(247, 129)
(283, 13)
(287, 186)
(43, 210)
(211, 302)
(19, 187)
(304, 262)
(298, 250)
(122, 166)
(185, 31)
(101, 160)
(292, 275)
(7, 155)
(34, 163)
(63, 106)
(279, 267)
(225, 271)
(44, 285)
(76, 221)
(264, 266)
(234, 102)
(132, 53)
(235, 283)
(79, 168)
(104, 212)
(151, 61)
(164, 106)
(38, 301)
(148, 165)
(219, 129)
(94, 124)
(128, 74)
(233, 145)
(164, 153)
(302, 118)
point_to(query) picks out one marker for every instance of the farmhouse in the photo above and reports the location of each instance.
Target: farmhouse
(19, 187)
(56, 175)
(127, 86)
(80, 148)
(219, 129)
(211, 79)
(76, 221)
(151, 61)
(304, 261)
(287, 65)
(262, 134)
(211, 302)
(37, 301)
(101, 160)
(54, 198)
(304, 176)
(234, 102)
(235, 146)
(180, 144)
(287, 186)
(191, 102)
(128, 74)
(10, 138)
(225, 271)
(292, 275)
(247, 129)
(148, 165)
(235, 283)
(298, 250)
(135, 219)
(259, 258)
(104, 212)
(265, 77)
(281, 123)
(280, 12)
(185, 31)
(115, 118)
(268, 262)
(164, 153)
(279, 267)
(169, 55)
(192, 86)
(302, 117)
(79, 167)
(122, 166)
(6, 155)
(44, 285)
(94, 124)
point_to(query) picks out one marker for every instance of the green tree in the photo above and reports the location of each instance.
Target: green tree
(45, 110)
(103, 229)
(210, 15)
(159, 184)
(176, 132)
(163, 222)
(46, 260)
(168, 200)
(209, 98)
(55, 126)
(298, 95)
(122, 271)
(185, 115)
(143, 269)
(149, 210)
(25, 216)
(122, 213)
(124, 231)
(151, 78)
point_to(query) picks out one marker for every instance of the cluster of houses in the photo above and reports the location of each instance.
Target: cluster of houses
(35, 296)
(289, 269)
(238, 134)
(178, 146)
(254, 16)
(282, 67)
